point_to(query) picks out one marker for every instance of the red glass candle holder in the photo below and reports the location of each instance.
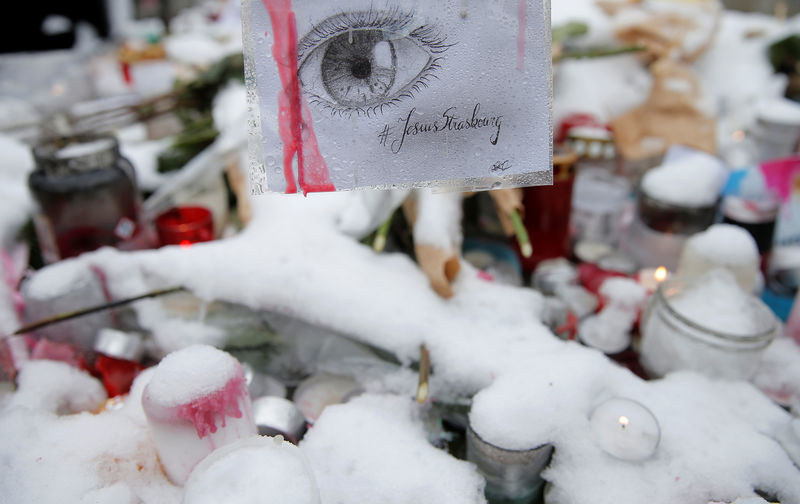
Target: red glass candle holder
(547, 213)
(185, 226)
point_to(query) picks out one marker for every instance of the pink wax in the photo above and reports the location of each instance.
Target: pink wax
(294, 119)
(195, 402)
(206, 411)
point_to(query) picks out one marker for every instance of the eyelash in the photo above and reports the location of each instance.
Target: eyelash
(393, 21)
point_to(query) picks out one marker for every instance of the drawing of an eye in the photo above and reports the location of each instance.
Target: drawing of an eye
(361, 62)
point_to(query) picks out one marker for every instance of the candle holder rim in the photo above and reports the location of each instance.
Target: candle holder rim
(512, 450)
(765, 335)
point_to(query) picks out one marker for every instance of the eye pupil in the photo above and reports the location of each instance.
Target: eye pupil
(358, 67)
(361, 68)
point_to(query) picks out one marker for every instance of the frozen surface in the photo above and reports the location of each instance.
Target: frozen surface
(348, 446)
(186, 375)
(254, 470)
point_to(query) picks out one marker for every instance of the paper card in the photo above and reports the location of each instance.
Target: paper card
(352, 94)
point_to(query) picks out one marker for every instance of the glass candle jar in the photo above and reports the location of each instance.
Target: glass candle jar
(512, 476)
(88, 197)
(547, 212)
(659, 230)
(675, 338)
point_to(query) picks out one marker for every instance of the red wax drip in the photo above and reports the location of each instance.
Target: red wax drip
(522, 11)
(205, 411)
(294, 118)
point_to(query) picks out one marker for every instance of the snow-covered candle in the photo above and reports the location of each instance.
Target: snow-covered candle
(625, 429)
(707, 324)
(722, 246)
(196, 402)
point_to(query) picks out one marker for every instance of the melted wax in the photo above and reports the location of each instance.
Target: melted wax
(294, 118)
(204, 411)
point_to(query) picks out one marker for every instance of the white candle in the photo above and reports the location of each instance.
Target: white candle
(625, 429)
(196, 401)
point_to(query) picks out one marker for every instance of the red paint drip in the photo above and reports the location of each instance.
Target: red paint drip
(294, 118)
(205, 411)
(522, 18)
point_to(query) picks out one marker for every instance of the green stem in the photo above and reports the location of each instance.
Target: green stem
(522, 234)
(601, 52)
(380, 236)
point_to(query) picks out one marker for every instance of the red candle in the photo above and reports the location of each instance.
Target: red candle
(185, 226)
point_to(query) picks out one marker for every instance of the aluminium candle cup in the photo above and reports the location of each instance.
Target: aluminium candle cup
(321, 390)
(120, 345)
(196, 401)
(671, 341)
(510, 474)
(277, 415)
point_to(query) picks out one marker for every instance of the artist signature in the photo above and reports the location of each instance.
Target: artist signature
(501, 166)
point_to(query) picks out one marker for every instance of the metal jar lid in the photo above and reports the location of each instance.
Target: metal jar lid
(120, 345)
(75, 154)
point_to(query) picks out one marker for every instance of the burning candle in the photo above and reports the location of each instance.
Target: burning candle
(185, 225)
(651, 278)
(196, 401)
(625, 429)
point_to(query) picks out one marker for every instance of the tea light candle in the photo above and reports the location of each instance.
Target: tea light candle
(651, 278)
(184, 226)
(196, 401)
(625, 429)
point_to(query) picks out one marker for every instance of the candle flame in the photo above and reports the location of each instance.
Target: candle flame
(660, 274)
(624, 421)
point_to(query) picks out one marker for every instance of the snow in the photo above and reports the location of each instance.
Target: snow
(624, 292)
(103, 458)
(726, 244)
(16, 162)
(56, 387)
(698, 417)
(778, 374)
(298, 258)
(254, 470)
(191, 373)
(193, 48)
(780, 111)
(717, 303)
(58, 279)
(668, 182)
(348, 448)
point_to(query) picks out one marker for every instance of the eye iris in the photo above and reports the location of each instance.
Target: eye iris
(359, 67)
